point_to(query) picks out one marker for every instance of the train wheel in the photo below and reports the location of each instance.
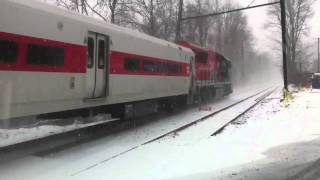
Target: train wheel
(170, 104)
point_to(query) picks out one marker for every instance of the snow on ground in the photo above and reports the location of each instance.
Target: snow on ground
(14, 136)
(270, 142)
(66, 163)
(279, 142)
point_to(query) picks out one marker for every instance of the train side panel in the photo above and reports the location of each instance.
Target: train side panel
(31, 89)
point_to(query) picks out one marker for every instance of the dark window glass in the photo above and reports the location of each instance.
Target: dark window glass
(102, 54)
(202, 57)
(223, 65)
(162, 67)
(174, 68)
(8, 52)
(149, 66)
(90, 52)
(132, 64)
(45, 55)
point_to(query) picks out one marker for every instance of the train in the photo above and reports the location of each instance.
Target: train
(55, 62)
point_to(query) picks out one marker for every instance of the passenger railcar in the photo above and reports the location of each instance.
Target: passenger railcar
(52, 60)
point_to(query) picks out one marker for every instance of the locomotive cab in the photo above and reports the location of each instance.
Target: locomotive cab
(224, 69)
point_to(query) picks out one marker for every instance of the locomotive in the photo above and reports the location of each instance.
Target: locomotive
(55, 62)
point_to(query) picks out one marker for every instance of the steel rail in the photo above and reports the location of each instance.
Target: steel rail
(170, 132)
(258, 100)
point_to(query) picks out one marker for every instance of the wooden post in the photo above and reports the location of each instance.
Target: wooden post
(178, 30)
(284, 43)
(318, 56)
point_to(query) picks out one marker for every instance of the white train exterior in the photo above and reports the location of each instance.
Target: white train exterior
(53, 60)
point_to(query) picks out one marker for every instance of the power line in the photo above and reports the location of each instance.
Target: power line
(229, 11)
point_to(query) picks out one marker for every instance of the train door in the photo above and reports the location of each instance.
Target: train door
(97, 65)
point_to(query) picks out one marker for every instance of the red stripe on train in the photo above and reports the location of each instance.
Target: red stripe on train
(118, 59)
(75, 60)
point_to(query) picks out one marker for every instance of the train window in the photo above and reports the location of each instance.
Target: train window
(162, 67)
(175, 68)
(8, 52)
(90, 52)
(132, 64)
(149, 66)
(101, 54)
(45, 55)
(202, 57)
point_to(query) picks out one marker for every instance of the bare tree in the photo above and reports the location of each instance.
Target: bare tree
(112, 7)
(197, 30)
(167, 19)
(145, 9)
(107, 10)
(79, 6)
(154, 17)
(218, 27)
(297, 13)
(179, 20)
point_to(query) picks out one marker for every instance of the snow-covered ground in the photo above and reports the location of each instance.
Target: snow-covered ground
(270, 142)
(15, 136)
(67, 163)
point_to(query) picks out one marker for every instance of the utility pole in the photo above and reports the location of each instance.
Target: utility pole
(178, 30)
(318, 56)
(152, 20)
(284, 42)
(243, 59)
(300, 67)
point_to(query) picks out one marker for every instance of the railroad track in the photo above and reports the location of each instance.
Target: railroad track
(64, 141)
(257, 101)
(265, 93)
(208, 116)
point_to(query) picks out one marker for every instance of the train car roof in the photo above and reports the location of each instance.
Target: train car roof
(45, 7)
(225, 58)
(199, 48)
(193, 46)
